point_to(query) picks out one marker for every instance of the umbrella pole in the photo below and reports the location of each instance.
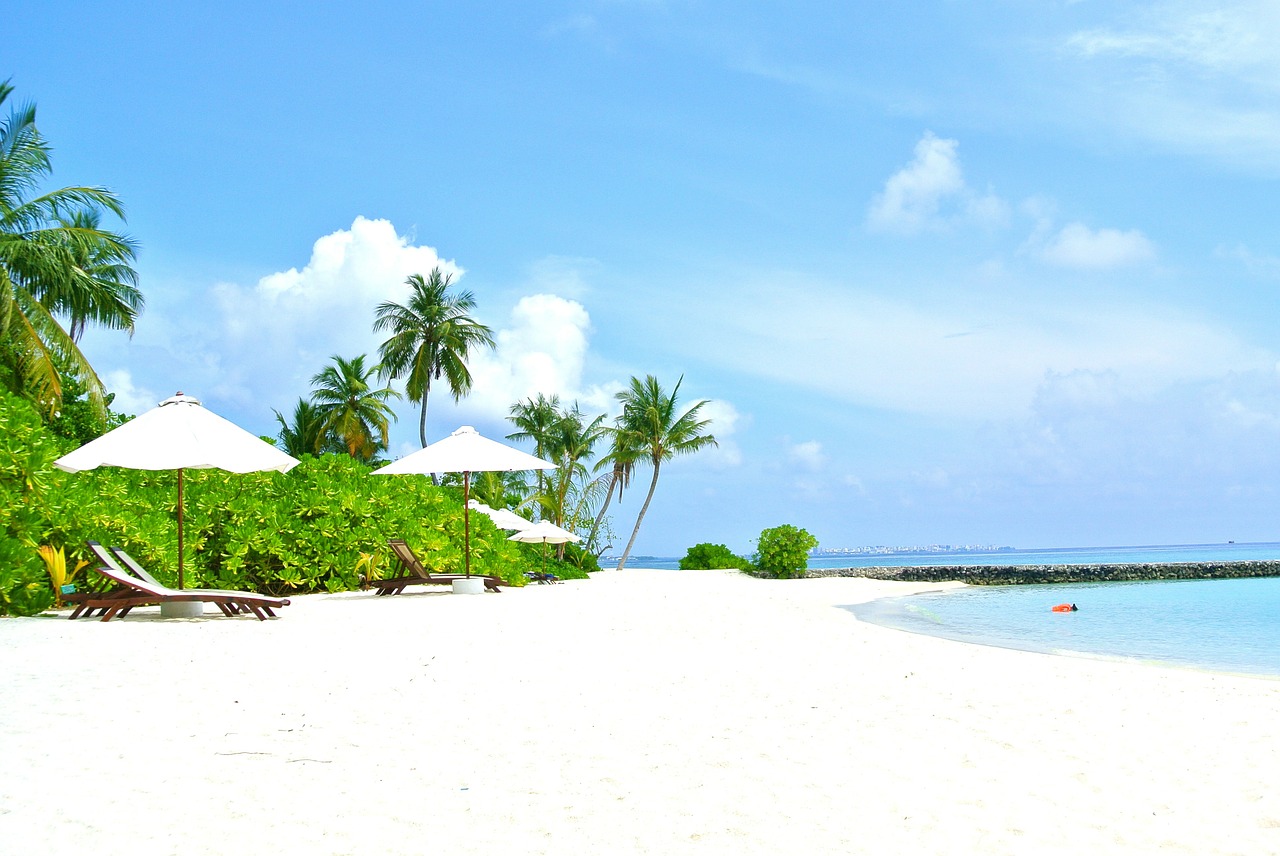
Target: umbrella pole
(466, 516)
(180, 585)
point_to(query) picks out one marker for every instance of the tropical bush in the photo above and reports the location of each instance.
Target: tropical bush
(783, 552)
(319, 527)
(702, 557)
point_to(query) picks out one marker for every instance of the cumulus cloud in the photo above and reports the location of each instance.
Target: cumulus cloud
(283, 329)
(542, 348)
(931, 192)
(1078, 246)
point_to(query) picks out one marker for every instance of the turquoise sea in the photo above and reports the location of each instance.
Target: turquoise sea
(1217, 625)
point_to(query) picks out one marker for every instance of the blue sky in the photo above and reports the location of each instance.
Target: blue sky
(947, 272)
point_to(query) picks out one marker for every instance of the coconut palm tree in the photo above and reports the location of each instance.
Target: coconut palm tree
(651, 427)
(573, 440)
(571, 443)
(306, 434)
(536, 419)
(55, 260)
(621, 460)
(431, 337)
(351, 408)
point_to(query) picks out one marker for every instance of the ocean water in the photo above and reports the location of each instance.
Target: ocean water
(1217, 625)
(1230, 552)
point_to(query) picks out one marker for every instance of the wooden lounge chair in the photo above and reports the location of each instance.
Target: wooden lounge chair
(98, 595)
(132, 589)
(416, 574)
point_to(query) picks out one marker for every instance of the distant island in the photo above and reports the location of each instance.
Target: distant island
(836, 552)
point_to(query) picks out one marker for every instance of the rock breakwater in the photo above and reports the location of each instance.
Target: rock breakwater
(999, 575)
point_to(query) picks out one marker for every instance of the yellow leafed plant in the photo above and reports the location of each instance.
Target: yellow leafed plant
(55, 562)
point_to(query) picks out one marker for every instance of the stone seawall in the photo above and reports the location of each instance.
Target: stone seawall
(998, 575)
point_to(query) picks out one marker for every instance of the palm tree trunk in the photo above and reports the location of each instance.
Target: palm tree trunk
(640, 519)
(608, 497)
(422, 423)
(422, 431)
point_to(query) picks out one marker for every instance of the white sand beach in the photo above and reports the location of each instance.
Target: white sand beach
(642, 711)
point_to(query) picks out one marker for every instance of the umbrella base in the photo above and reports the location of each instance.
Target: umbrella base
(469, 585)
(182, 609)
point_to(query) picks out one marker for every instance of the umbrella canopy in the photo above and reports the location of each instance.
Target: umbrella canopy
(501, 517)
(544, 532)
(179, 434)
(464, 451)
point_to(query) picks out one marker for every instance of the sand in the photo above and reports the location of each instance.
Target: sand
(641, 711)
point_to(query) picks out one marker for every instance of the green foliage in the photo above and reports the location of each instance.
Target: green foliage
(783, 552)
(27, 452)
(57, 265)
(309, 530)
(703, 557)
(580, 559)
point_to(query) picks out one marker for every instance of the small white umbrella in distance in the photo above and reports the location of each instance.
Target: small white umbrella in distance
(544, 532)
(502, 518)
(464, 451)
(179, 434)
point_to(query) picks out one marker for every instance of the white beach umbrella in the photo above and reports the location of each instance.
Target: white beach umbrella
(544, 532)
(179, 434)
(464, 451)
(501, 517)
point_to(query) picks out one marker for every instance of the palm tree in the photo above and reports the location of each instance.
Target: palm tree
(306, 435)
(652, 429)
(104, 286)
(622, 461)
(571, 443)
(431, 338)
(499, 489)
(351, 408)
(536, 418)
(573, 440)
(55, 259)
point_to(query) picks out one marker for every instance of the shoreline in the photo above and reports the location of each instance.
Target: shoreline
(638, 712)
(1062, 573)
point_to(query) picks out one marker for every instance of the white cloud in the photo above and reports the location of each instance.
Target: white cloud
(1078, 246)
(252, 349)
(1215, 36)
(974, 358)
(542, 349)
(725, 419)
(931, 193)
(808, 454)
(1193, 75)
(129, 398)
(284, 329)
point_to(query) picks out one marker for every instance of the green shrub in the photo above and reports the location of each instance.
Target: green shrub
(704, 557)
(316, 528)
(783, 552)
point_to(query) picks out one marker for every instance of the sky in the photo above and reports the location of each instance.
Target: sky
(947, 272)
